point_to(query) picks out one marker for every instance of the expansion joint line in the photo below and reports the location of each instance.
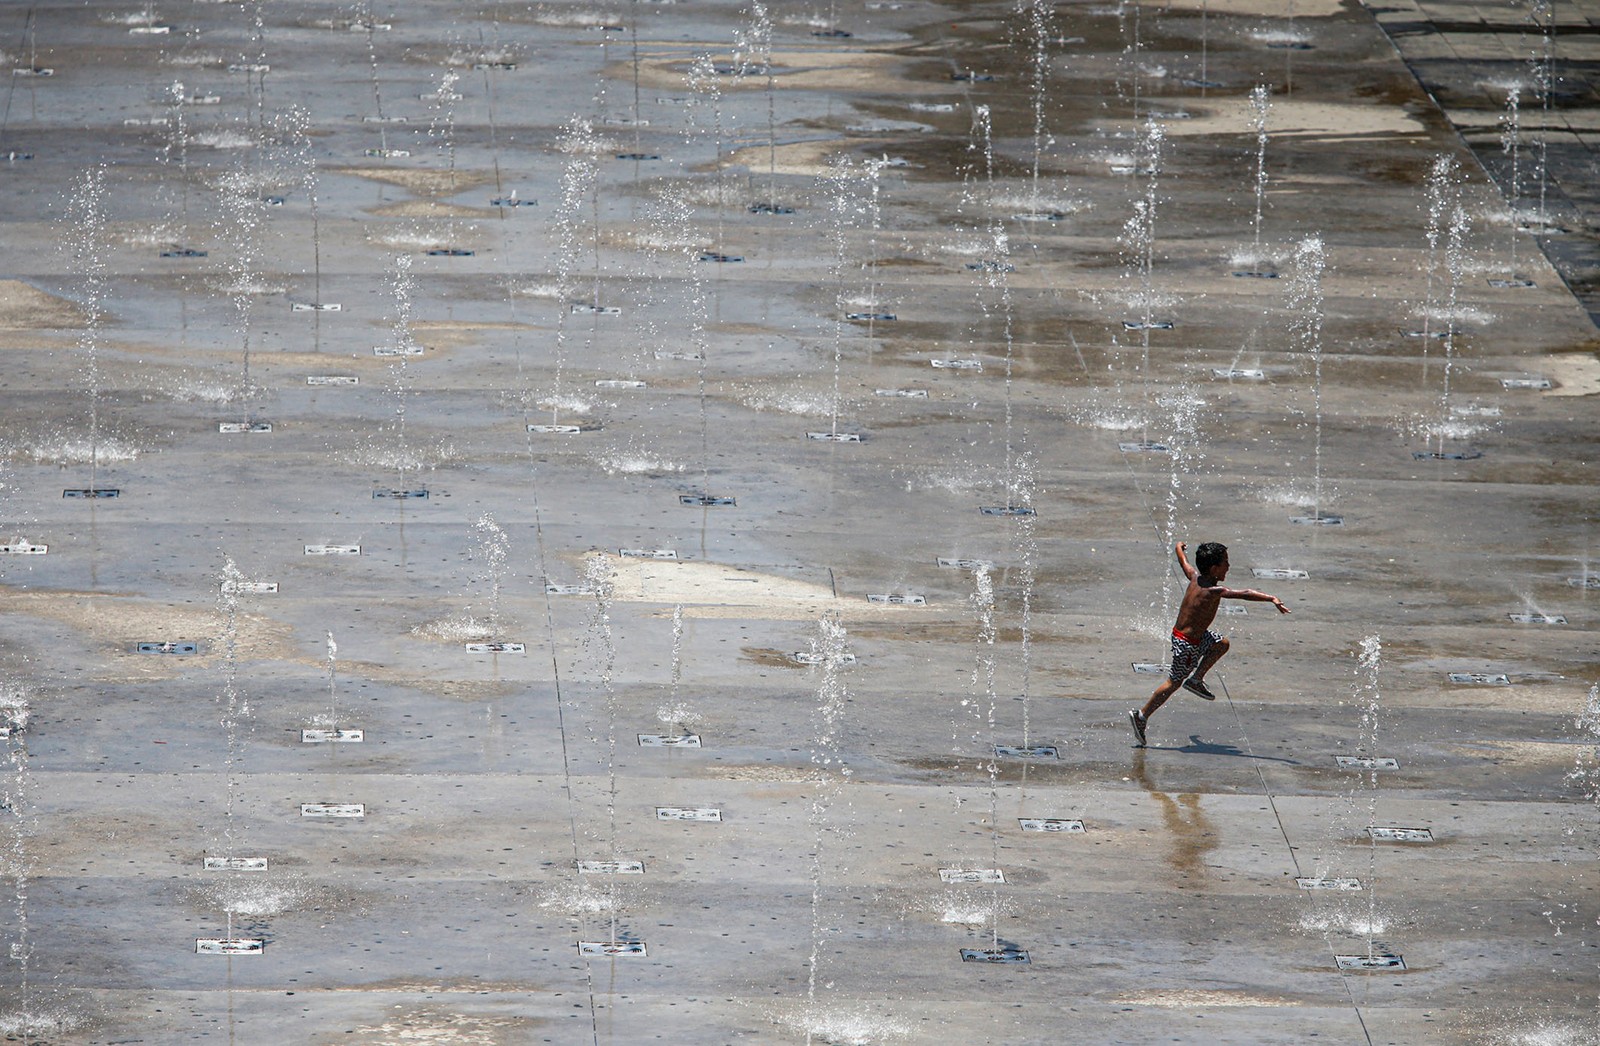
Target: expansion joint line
(1294, 859)
(561, 719)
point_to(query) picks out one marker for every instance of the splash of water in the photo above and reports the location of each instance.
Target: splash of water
(1511, 145)
(1369, 698)
(492, 548)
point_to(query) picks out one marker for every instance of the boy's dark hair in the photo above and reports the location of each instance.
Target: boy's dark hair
(1209, 555)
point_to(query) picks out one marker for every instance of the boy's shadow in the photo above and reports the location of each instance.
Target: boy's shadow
(1199, 747)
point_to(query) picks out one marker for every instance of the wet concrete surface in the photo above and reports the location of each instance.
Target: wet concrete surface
(812, 909)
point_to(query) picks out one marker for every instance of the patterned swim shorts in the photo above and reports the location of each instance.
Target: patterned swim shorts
(1187, 654)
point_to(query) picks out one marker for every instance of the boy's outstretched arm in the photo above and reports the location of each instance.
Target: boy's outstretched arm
(1259, 597)
(1183, 561)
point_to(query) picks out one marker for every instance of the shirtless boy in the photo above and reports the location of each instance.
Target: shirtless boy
(1195, 649)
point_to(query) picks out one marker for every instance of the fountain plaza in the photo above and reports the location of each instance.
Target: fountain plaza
(643, 521)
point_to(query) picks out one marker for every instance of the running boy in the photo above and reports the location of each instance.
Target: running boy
(1195, 649)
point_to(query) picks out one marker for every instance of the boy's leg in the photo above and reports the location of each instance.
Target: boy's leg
(1159, 698)
(1213, 654)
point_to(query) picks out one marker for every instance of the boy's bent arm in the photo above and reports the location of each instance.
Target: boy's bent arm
(1183, 561)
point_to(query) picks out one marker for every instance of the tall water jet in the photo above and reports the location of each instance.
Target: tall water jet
(600, 643)
(579, 188)
(240, 220)
(1260, 106)
(1138, 241)
(16, 858)
(1369, 697)
(492, 548)
(1511, 145)
(1455, 266)
(86, 244)
(1305, 331)
(753, 56)
(1039, 15)
(995, 272)
(1441, 190)
(830, 647)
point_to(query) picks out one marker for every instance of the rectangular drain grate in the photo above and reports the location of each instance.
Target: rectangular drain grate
(972, 875)
(1474, 410)
(1480, 678)
(879, 317)
(244, 426)
(1232, 608)
(558, 430)
(1512, 283)
(1429, 335)
(596, 310)
(333, 550)
(613, 949)
(301, 306)
(1525, 383)
(1252, 274)
(1150, 668)
(619, 383)
(680, 813)
(228, 946)
(1446, 455)
(611, 867)
(989, 265)
(692, 356)
(1361, 762)
(332, 379)
(388, 351)
(1009, 956)
(91, 492)
(495, 648)
(1140, 325)
(339, 736)
(1040, 216)
(705, 500)
(1144, 447)
(1585, 581)
(1400, 835)
(648, 553)
(184, 647)
(965, 564)
(905, 394)
(345, 810)
(1280, 574)
(1318, 520)
(1005, 510)
(723, 258)
(638, 156)
(957, 364)
(1031, 752)
(235, 864)
(1344, 885)
(895, 599)
(806, 657)
(1370, 962)
(1237, 374)
(23, 548)
(1528, 617)
(1050, 824)
(401, 495)
(669, 740)
(567, 590)
(450, 252)
(512, 201)
(835, 437)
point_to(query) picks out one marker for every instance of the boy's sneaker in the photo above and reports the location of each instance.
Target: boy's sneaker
(1196, 686)
(1137, 719)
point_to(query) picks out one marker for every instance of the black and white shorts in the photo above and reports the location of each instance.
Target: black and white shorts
(1187, 654)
